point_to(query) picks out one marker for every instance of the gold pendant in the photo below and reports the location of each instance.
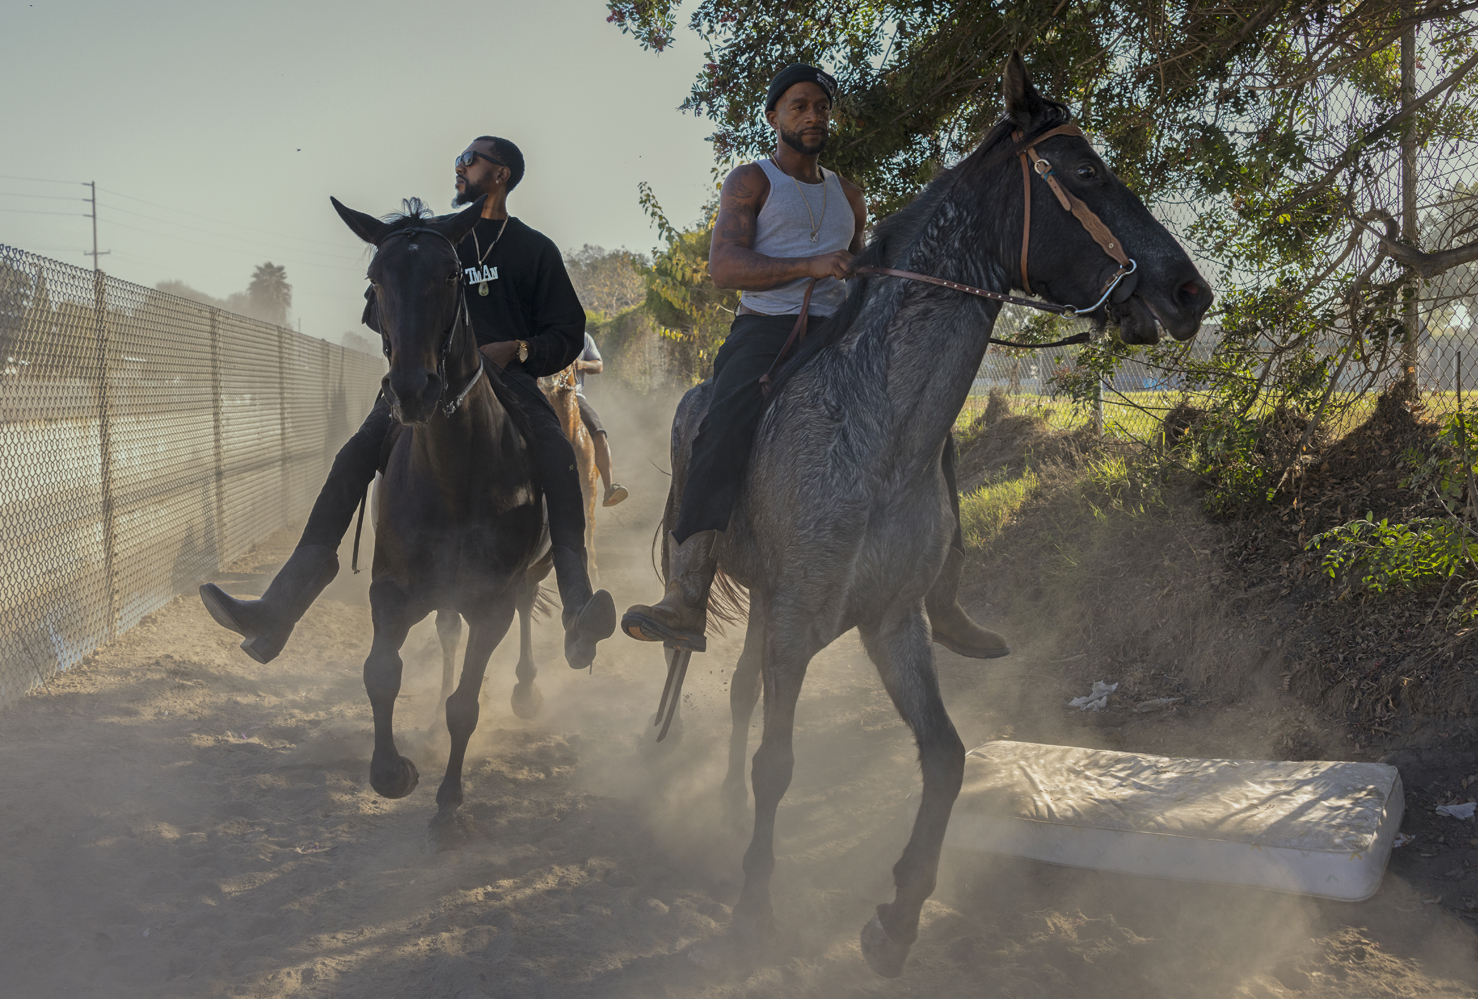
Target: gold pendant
(482, 289)
(813, 237)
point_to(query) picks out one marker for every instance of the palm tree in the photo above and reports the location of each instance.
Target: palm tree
(269, 296)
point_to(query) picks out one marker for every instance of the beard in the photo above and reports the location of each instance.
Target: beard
(796, 142)
(469, 193)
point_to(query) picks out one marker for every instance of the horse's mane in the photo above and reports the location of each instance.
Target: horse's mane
(412, 210)
(895, 237)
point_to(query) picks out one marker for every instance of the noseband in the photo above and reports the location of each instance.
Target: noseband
(448, 407)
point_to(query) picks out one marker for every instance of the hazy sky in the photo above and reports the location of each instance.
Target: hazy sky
(247, 116)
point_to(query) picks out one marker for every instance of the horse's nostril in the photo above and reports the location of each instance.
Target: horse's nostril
(1195, 295)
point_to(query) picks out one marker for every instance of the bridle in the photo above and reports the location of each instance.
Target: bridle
(1031, 160)
(462, 317)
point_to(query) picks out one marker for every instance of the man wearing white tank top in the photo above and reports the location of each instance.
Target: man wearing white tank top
(783, 222)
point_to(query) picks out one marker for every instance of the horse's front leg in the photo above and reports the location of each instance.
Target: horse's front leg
(900, 647)
(788, 648)
(484, 631)
(449, 632)
(391, 775)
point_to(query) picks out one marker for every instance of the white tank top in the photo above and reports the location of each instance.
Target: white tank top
(783, 229)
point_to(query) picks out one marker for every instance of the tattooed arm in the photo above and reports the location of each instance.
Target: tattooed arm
(733, 264)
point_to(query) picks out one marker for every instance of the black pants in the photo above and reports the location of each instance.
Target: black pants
(554, 465)
(726, 436)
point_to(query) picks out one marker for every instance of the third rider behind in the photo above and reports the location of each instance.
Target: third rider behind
(782, 223)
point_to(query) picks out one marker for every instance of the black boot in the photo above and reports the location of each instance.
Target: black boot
(265, 624)
(588, 617)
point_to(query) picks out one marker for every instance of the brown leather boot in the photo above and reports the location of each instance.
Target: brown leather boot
(680, 618)
(953, 628)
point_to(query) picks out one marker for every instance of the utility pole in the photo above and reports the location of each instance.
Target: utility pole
(1411, 314)
(93, 186)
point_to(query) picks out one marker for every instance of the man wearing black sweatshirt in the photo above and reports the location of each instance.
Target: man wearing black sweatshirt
(529, 322)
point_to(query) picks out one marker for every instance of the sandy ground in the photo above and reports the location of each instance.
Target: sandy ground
(179, 821)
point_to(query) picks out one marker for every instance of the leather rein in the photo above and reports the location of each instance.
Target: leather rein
(1031, 160)
(462, 317)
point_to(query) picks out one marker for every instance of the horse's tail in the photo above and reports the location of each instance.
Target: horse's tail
(543, 603)
(728, 603)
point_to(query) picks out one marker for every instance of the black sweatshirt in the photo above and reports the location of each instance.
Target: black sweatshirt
(530, 299)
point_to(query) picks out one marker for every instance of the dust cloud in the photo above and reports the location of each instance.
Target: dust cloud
(182, 822)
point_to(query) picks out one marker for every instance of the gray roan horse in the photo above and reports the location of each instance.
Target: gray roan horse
(460, 518)
(844, 520)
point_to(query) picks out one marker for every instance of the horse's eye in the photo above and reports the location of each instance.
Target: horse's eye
(1087, 172)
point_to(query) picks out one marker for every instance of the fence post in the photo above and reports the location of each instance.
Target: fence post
(1098, 408)
(1411, 314)
(218, 445)
(105, 449)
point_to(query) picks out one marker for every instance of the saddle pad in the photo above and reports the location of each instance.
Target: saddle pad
(1322, 829)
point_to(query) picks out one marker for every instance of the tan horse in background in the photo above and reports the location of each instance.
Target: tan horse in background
(560, 390)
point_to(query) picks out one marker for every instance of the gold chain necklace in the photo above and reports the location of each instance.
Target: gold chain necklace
(482, 289)
(815, 222)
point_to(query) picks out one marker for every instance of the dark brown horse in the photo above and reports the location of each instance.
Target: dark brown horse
(459, 519)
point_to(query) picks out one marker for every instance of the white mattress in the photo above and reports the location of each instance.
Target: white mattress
(1322, 829)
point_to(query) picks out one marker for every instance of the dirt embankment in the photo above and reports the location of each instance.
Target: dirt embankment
(1108, 577)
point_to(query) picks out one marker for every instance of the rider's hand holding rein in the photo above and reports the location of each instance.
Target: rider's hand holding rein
(839, 265)
(500, 352)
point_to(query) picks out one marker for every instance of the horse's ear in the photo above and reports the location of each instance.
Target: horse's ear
(459, 225)
(1023, 103)
(366, 227)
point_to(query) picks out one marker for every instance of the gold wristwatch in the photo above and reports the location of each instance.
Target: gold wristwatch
(523, 351)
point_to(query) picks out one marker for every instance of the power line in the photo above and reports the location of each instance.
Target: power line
(207, 218)
(243, 239)
(42, 180)
(32, 211)
(226, 249)
(48, 197)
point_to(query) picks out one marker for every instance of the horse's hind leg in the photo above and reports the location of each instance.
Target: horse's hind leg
(462, 710)
(905, 660)
(744, 691)
(449, 632)
(527, 700)
(391, 775)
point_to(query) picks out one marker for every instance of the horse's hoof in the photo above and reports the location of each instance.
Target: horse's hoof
(527, 700)
(449, 830)
(396, 781)
(752, 932)
(884, 955)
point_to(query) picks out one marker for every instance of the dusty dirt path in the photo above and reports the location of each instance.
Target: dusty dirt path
(177, 821)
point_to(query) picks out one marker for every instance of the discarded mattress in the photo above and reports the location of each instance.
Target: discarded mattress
(1322, 829)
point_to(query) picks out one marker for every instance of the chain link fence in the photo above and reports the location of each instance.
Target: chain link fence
(146, 441)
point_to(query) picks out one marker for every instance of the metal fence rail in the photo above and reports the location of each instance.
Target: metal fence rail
(145, 442)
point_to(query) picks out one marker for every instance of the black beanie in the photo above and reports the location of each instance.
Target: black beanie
(795, 73)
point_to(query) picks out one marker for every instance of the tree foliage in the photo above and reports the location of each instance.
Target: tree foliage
(269, 296)
(608, 281)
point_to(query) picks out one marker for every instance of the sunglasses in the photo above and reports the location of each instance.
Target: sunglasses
(467, 159)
